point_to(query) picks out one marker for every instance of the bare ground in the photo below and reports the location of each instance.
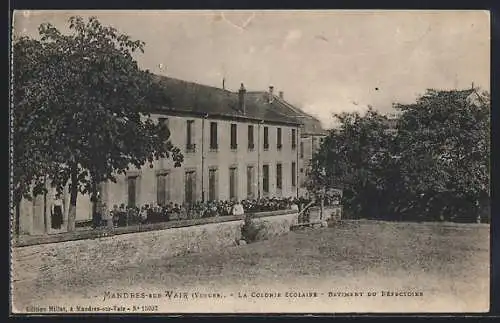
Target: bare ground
(447, 263)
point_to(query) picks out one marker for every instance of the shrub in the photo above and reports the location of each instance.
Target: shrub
(250, 230)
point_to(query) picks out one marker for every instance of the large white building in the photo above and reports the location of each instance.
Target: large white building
(236, 145)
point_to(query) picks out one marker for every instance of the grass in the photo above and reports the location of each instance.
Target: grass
(448, 262)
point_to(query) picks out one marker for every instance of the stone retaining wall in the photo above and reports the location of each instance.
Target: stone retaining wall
(330, 213)
(27, 240)
(63, 258)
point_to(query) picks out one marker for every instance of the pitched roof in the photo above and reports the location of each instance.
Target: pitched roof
(311, 125)
(184, 96)
(476, 98)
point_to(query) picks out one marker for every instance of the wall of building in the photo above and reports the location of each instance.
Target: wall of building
(310, 144)
(33, 220)
(203, 158)
(35, 215)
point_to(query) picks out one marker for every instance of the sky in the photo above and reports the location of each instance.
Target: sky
(325, 62)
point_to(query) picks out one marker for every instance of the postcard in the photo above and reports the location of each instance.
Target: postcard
(258, 161)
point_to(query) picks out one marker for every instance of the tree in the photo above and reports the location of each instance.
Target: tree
(355, 158)
(430, 162)
(445, 147)
(31, 123)
(85, 105)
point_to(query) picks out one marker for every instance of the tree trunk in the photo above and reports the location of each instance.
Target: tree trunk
(73, 197)
(17, 217)
(46, 213)
(94, 213)
(322, 205)
(94, 200)
(17, 197)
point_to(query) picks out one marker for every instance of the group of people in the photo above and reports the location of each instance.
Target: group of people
(152, 213)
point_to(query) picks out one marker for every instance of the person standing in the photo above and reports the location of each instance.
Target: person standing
(238, 209)
(104, 214)
(57, 213)
(111, 215)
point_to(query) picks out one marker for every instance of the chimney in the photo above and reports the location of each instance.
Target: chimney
(271, 94)
(241, 99)
(281, 95)
(223, 83)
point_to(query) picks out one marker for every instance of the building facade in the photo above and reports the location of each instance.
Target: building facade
(309, 144)
(223, 160)
(236, 145)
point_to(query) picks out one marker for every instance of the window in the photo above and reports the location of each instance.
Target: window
(233, 183)
(190, 187)
(250, 182)
(212, 184)
(294, 174)
(213, 135)
(279, 184)
(278, 138)
(234, 139)
(190, 146)
(266, 138)
(162, 189)
(132, 191)
(250, 137)
(301, 150)
(294, 139)
(265, 178)
(164, 122)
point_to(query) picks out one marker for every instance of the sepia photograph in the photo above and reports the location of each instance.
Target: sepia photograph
(249, 161)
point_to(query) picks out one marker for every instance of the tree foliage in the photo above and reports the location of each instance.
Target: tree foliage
(431, 161)
(82, 108)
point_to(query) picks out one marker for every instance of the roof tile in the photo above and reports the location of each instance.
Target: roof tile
(184, 96)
